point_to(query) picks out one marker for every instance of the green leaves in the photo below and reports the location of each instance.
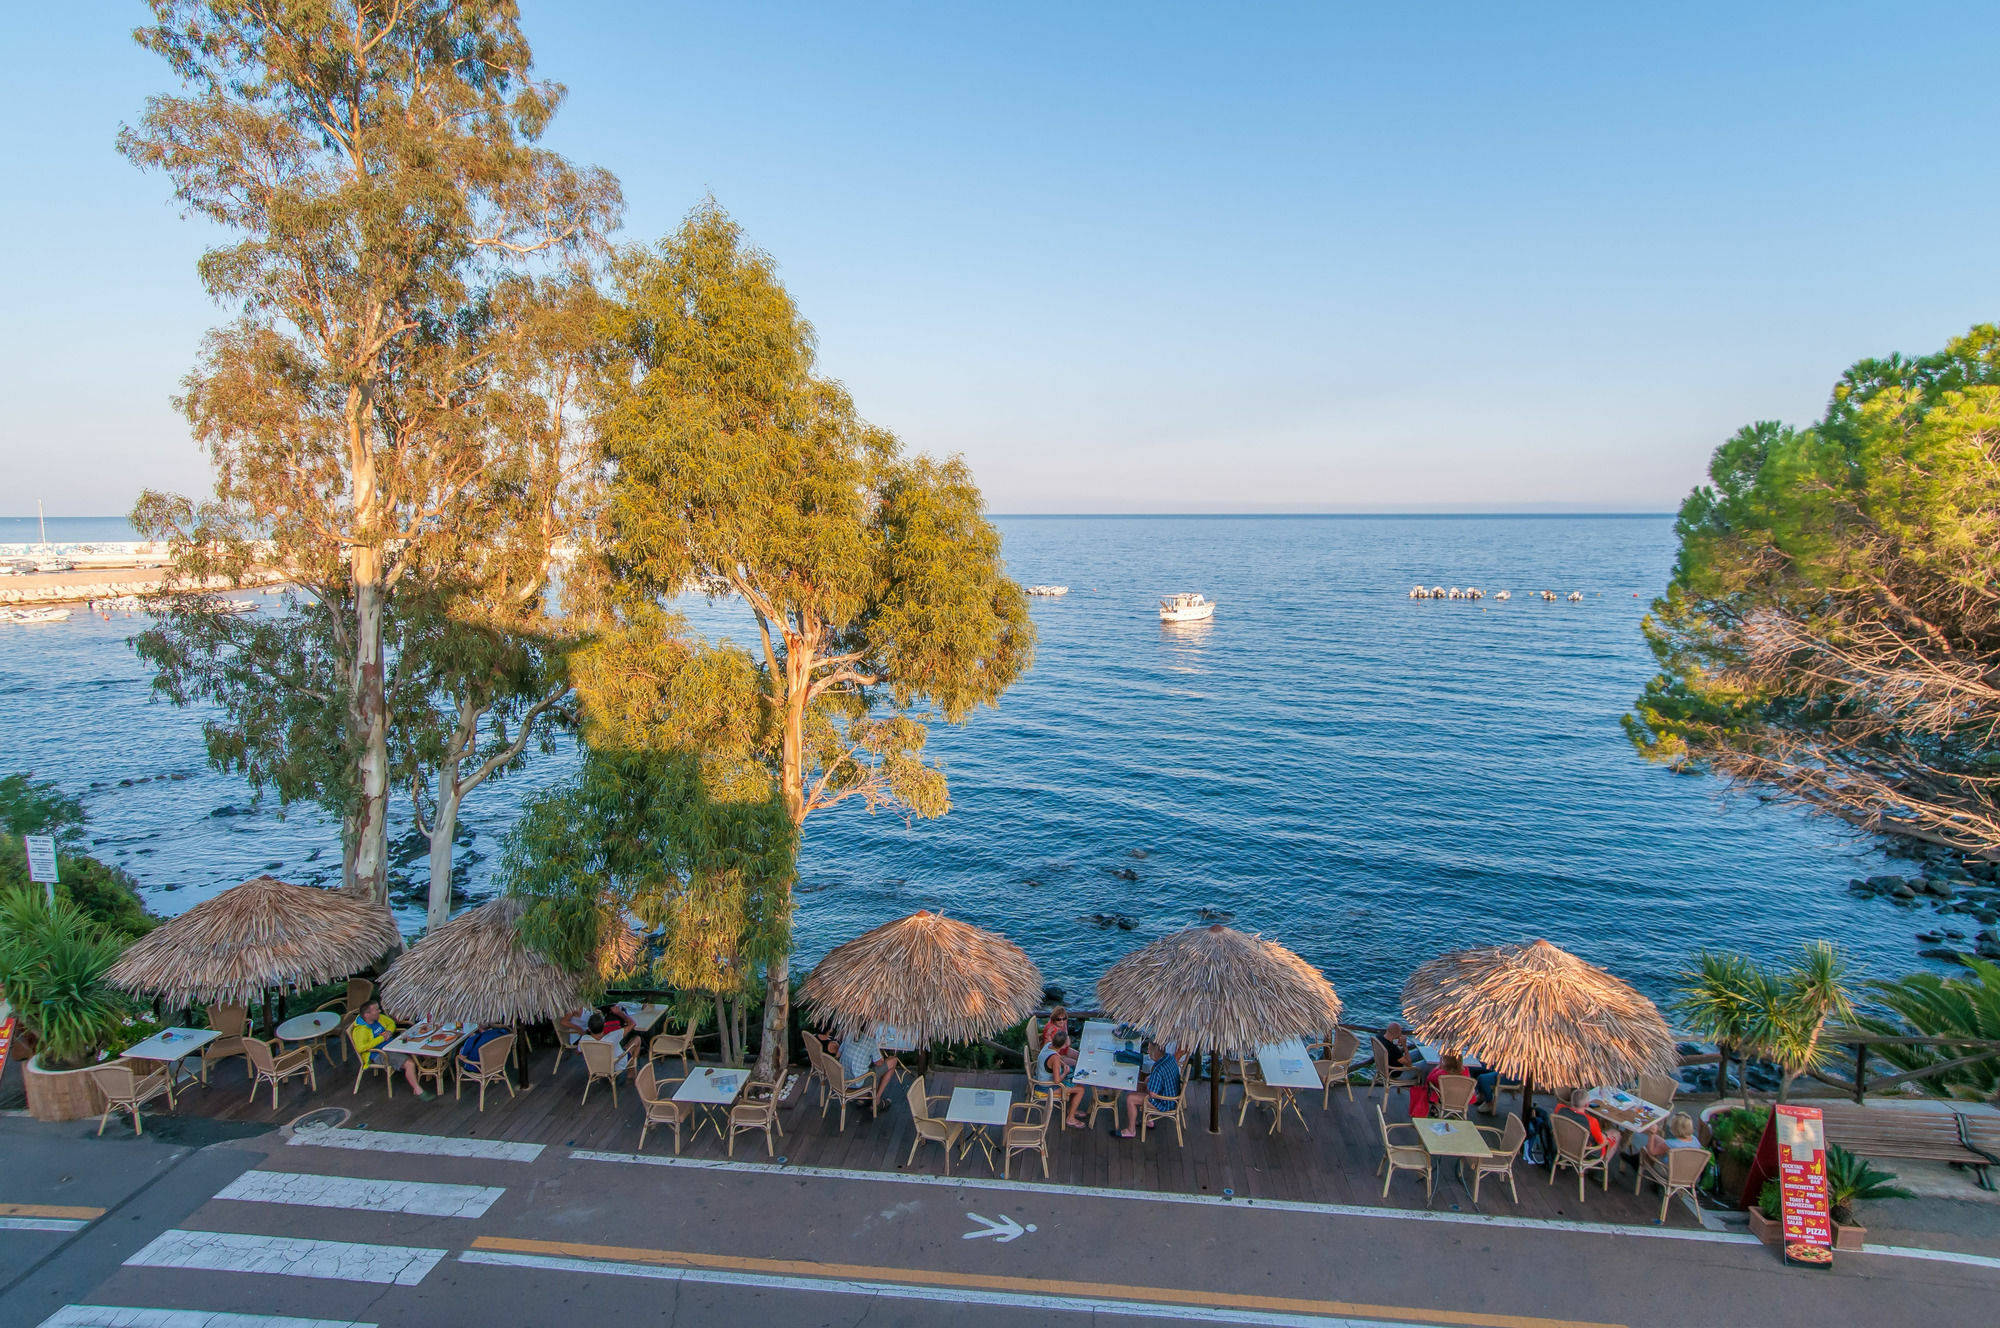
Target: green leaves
(52, 965)
(1927, 1005)
(1778, 1014)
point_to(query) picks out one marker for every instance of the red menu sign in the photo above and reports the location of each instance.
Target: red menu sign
(6, 1041)
(1802, 1184)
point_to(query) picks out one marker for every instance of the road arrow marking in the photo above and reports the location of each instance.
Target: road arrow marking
(1003, 1231)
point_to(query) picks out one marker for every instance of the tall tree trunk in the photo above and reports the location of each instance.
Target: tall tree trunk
(791, 779)
(369, 712)
(444, 825)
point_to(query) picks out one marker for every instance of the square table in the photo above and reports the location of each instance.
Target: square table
(424, 1049)
(172, 1046)
(1451, 1138)
(888, 1037)
(1286, 1065)
(645, 1018)
(1615, 1106)
(1097, 1066)
(979, 1108)
(708, 1088)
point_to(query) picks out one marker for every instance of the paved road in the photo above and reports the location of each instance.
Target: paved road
(417, 1230)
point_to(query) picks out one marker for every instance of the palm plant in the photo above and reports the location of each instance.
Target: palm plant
(1851, 1179)
(1721, 999)
(52, 965)
(1927, 1005)
(1780, 1016)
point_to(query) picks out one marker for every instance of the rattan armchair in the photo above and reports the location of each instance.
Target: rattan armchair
(757, 1109)
(1043, 1088)
(1506, 1145)
(1658, 1089)
(1026, 1131)
(660, 1107)
(1576, 1150)
(1401, 1157)
(1255, 1090)
(835, 1086)
(1336, 1066)
(1385, 1078)
(933, 1129)
(350, 1005)
(127, 1087)
(600, 1061)
(1679, 1172)
(679, 1044)
(233, 1022)
(1454, 1096)
(1175, 1110)
(491, 1065)
(268, 1067)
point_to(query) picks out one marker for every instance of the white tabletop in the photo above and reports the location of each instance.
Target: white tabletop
(1286, 1065)
(170, 1044)
(1097, 1068)
(1098, 1033)
(1626, 1110)
(408, 1045)
(312, 1025)
(644, 1017)
(888, 1037)
(979, 1106)
(709, 1085)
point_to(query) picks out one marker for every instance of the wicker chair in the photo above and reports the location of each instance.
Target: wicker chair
(1401, 1157)
(1506, 1145)
(1026, 1131)
(681, 1044)
(1658, 1089)
(1103, 1099)
(835, 1086)
(373, 1059)
(1175, 1110)
(600, 1061)
(491, 1065)
(233, 1022)
(1576, 1150)
(1386, 1078)
(1454, 1096)
(268, 1067)
(127, 1088)
(1042, 1088)
(1262, 1094)
(660, 1107)
(358, 992)
(1337, 1065)
(933, 1129)
(1679, 1172)
(757, 1109)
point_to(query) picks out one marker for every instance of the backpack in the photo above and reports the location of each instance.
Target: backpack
(1539, 1148)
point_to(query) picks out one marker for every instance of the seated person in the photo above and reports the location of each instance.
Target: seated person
(468, 1050)
(575, 1024)
(1162, 1079)
(1607, 1140)
(615, 1017)
(1485, 1087)
(1678, 1134)
(1058, 1023)
(371, 1029)
(1423, 1097)
(1058, 1066)
(862, 1054)
(598, 1031)
(1401, 1054)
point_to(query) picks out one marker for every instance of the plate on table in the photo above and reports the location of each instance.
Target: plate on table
(417, 1032)
(444, 1039)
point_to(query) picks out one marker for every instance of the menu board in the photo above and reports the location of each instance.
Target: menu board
(1808, 1225)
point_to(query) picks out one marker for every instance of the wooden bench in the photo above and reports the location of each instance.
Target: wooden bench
(1920, 1132)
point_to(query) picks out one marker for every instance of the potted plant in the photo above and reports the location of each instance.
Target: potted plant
(1733, 1136)
(52, 965)
(1849, 1181)
(1767, 1215)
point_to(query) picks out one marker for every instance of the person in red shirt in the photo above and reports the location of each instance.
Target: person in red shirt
(1608, 1140)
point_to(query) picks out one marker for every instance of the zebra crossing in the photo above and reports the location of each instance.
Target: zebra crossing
(248, 1251)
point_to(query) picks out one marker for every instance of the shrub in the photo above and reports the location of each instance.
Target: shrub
(1851, 1179)
(52, 965)
(1736, 1133)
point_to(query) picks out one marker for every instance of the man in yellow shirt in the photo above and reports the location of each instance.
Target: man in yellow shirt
(371, 1029)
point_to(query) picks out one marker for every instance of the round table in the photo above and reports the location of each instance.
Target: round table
(309, 1028)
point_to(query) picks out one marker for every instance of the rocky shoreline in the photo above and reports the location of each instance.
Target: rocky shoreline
(1961, 895)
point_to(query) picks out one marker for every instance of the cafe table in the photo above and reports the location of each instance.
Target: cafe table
(979, 1108)
(645, 1018)
(1626, 1111)
(714, 1091)
(171, 1046)
(1286, 1065)
(309, 1028)
(429, 1042)
(1098, 1066)
(1456, 1139)
(888, 1037)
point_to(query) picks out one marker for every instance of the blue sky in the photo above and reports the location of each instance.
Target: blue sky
(1167, 258)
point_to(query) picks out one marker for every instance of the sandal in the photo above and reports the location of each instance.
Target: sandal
(1128, 1134)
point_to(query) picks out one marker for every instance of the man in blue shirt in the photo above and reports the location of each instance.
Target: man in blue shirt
(1163, 1083)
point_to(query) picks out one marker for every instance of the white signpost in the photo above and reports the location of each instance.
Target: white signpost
(42, 861)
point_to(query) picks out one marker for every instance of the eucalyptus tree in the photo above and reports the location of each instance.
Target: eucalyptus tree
(376, 163)
(871, 580)
(1831, 634)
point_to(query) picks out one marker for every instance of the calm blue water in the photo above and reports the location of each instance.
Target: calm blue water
(1369, 779)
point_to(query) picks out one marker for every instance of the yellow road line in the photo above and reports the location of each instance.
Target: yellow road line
(1029, 1285)
(49, 1210)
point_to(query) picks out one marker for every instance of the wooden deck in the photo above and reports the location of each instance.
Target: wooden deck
(1334, 1162)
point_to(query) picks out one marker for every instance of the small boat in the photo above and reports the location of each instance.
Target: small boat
(1049, 591)
(1186, 608)
(47, 615)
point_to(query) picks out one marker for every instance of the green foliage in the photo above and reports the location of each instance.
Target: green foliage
(1771, 1201)
(1851, 1180)
(1736, 1134)
(1927, 1005)
(29, 806)
(1778, 1014)
(1829, 629)
(52, 965)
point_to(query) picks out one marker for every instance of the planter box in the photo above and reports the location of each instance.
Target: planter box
(1764, 1229)
(61, 1095)
(1851, 1238)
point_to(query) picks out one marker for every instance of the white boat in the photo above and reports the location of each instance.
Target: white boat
(1186, 608)
(48, 615)
(1048, 590)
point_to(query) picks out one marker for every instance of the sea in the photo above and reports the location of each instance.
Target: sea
(1369, 779)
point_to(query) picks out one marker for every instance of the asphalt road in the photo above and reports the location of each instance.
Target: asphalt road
(409, 1234)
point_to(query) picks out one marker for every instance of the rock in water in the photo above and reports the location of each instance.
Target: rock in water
(1945, 953)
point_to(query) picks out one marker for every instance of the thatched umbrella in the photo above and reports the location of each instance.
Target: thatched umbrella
(1215, 989)
(1538, 1013)
(939, 979)
(475, 969)
(253, 937)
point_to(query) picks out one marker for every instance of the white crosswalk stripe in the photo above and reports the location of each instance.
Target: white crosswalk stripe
(423, 1198)
(124, 1316)
(433, 1145)
(42, 1224)
(288, 1256)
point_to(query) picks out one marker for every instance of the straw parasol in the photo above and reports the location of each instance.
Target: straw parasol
(1216, 989)
(1539, 1013)
(932, 976)
(252, 937)
(474, 969)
